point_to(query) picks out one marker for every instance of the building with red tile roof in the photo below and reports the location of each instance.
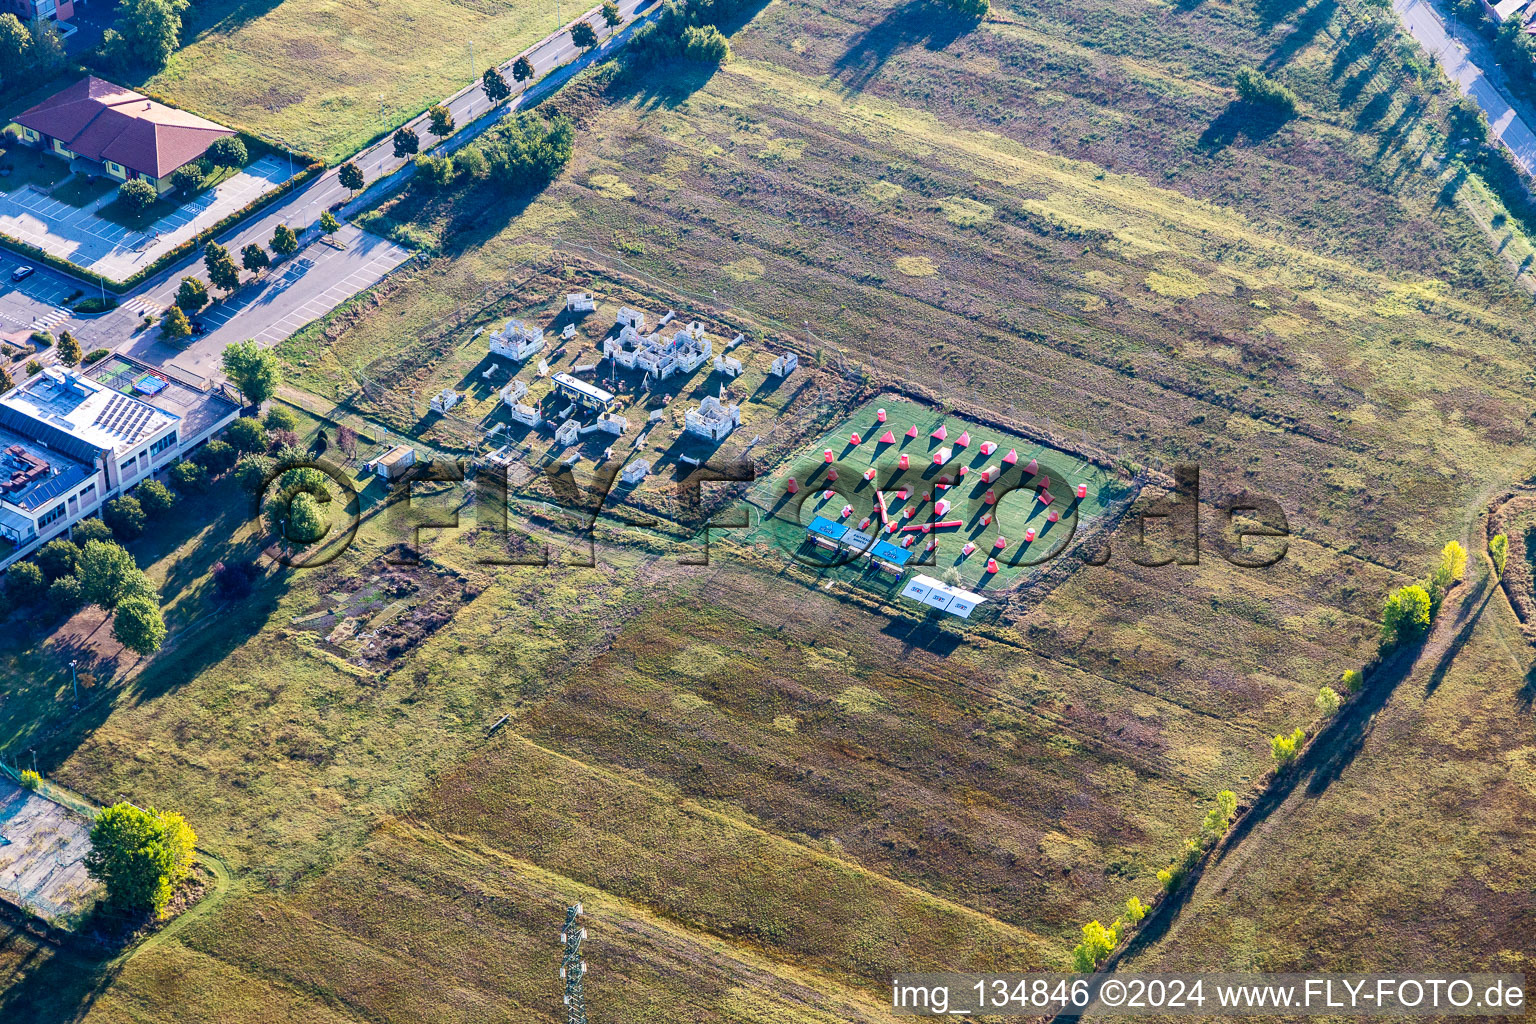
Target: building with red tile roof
(129, 134)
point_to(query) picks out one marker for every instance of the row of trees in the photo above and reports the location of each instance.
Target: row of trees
(1408, 611)
(192, 294)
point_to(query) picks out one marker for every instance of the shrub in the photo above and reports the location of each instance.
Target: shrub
(126, 517)
(87, 530)
(95, 355)
(247, 435)
(1135, 910)
(30, 779)
(154, 497)
(1328, 700)
(971, 8)
(279, 418)
(1258, 90)
(1283, 748)
(40, 340)
(1351, 679)
(235, 579)
(34, 367)
(1405, 615)
(139, 855)
(187, 477)
(65, 594)
(1498, 551)
(137, 195)
(95, 304)
(434, 172)
(25, 583)
(188, 178)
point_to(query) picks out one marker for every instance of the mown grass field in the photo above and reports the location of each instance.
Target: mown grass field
(769, 794)
(324, 78)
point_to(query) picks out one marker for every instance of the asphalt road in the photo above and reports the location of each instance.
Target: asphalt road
(300, 289)
(1429, 29)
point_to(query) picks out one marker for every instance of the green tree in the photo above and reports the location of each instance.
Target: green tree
(434, 172)
(1098, 942)
(441, 120)
(328, 223)
(1135, 910)
(522, 70)
(15, 48)
(69, 349)
(350, 176)
(147, 32)
(284, 241)
(108, 575)
(25, 583)
(305, 520)
(138, 625)
(1498, 550)
(175, 325)
(58, 558)
(525, 152)
(64, 594)
(705, 45)
(254, 258)
(1283, 748)
(140, 856)
(155, 498)
(137, 195)
(1219, 818)
(1351, 679)
(495, 86)
(1328, 700)
(87, 530)
(6, 383)
(1257, 90)
(1453, 559)
(187, 476)
(253, 371)
(188, 178)
(407, 143)
(216, 457)
(222, 272)
(977, 9)
(584, 35)
(279, 418)
(192, 295)
(228, 152)
(612, 16)
(251, 471)
(247, 435)
(470, 164)
(1405, 615)
(126, 517)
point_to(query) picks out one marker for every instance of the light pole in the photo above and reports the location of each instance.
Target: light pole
(74, 682)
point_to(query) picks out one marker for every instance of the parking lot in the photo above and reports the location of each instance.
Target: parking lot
(34, 304)
(92, 242)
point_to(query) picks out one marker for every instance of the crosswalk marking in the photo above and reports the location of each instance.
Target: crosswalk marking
(47, 320)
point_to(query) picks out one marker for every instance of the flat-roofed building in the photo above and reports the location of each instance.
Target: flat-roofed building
(71, 440)
(589, 396)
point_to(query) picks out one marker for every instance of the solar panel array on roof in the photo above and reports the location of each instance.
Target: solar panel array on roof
(124, 417)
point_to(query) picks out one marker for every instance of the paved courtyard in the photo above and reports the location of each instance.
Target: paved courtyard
(77, 234)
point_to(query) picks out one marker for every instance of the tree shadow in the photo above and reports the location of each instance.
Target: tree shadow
(64, 987)
(1311, 23)
(1273, 12)
(1468, 620)
(1355, 84)
(915, 23)
(1374, 110)
(1250, 121)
